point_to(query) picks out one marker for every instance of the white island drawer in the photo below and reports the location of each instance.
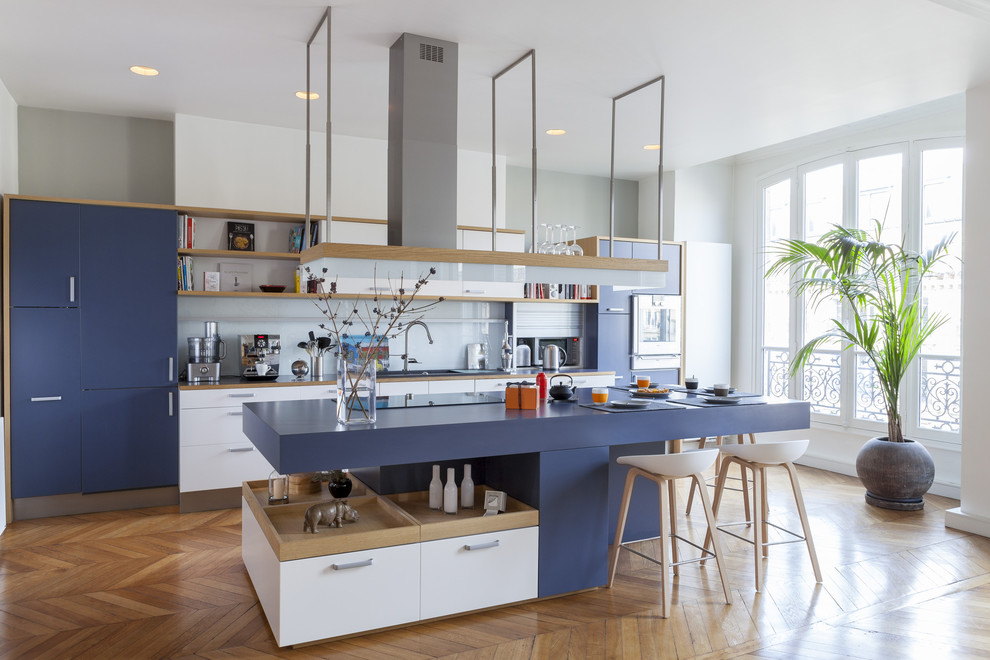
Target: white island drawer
(379, 587)
(482, 570)
(206, 467)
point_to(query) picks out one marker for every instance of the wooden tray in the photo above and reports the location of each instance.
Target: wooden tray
(436, 525)
(382, 524)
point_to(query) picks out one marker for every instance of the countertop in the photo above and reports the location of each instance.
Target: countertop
(301, 436)
(230, 382)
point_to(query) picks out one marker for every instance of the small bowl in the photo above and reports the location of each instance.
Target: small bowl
(272, 288)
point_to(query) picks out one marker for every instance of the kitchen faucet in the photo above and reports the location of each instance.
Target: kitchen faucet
(405, 354)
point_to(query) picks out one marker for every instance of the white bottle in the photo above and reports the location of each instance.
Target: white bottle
(450, 493)
(467, 488)
(436, 490)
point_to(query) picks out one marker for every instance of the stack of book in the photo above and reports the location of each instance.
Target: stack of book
(186, 231)
(185, 271)
(557, 291)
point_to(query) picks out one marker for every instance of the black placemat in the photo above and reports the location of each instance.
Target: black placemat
(702, 392)
(743, 401)
(653, 405)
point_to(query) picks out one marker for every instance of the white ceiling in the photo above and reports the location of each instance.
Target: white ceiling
(740, 75)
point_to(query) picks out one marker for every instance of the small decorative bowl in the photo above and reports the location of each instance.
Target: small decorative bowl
(272, 288)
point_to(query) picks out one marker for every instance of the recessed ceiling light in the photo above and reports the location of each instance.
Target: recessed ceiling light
(556, 131)
(144, 70)
(652, 147)
(312, 95)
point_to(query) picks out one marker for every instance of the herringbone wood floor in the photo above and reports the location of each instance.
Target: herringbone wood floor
(154, 583)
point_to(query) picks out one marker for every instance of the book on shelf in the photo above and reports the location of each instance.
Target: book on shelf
(185, 273)
(211, 280)
(236, 277)
(240, 236)
(296, 236)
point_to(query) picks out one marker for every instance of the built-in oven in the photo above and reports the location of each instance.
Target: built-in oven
(570, 345)
(656, 331)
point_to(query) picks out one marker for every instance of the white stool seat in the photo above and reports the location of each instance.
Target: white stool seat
(672, 465)
(786, 451)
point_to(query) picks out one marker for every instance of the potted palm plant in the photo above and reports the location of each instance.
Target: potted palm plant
(879, 284)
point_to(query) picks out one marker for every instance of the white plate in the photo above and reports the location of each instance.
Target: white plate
(721, 399)
(629, 404)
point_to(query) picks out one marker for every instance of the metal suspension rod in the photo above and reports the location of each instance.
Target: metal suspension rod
(531, 54)
(306, 228)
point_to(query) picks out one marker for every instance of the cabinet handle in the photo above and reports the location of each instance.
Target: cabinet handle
(234, 450)
(615, 309)
(482, 546)
(72, 288)
(247, 395)
(353, 564)
(171, 409)
(481, 291)
(171, 363)
(46, 398)
(235, 414)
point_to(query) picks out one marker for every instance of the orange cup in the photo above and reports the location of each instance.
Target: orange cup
(642, 381)
(599, 394)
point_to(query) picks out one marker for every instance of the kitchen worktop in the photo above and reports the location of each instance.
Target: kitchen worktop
(228, 382)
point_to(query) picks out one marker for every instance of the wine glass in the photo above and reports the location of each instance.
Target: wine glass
(560, 244)
(573, 248)
(546, 245)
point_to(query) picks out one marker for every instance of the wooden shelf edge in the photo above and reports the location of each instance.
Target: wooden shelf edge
(262, 294)
(237, 254)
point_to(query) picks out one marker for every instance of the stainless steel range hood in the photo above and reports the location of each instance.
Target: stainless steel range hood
(422, 142)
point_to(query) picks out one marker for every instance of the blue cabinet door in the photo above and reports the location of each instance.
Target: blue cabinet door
(129, 438)
(623, 249)
(129, 318)
(614, 301)
(44, 254)
(44, 402)
(613, 345)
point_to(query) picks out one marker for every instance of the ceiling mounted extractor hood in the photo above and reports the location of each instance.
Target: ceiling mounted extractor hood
(422, 142)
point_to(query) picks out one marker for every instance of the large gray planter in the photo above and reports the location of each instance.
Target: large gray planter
(896, 474)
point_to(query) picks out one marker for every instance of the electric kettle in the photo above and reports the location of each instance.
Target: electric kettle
(553, 357)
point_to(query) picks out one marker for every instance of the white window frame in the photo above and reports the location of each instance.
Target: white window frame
(911, 153)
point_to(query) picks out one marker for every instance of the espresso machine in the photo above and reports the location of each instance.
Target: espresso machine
(260, 356)
(205, 354)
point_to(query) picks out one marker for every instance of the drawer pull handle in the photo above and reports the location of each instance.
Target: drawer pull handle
(234, 450)
(46, 398)
(72, 289)
(479, 291)
(482, 546)
(614, 309)
(246, 395)
(353, 564)
(235, 414)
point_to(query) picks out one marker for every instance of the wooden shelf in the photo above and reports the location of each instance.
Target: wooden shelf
(436, 525)
(238, 254)
(366, 296)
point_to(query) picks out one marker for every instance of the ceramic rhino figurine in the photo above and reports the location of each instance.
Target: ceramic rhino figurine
(333, 513)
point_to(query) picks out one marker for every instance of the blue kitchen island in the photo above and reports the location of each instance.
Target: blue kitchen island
(559, 459)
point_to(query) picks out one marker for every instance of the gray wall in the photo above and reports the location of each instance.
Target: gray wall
(89, 156)
(570, 199)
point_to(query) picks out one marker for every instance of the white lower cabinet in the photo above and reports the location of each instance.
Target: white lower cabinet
(482, 570)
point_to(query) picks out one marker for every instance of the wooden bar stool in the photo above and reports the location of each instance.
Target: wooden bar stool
(665, 469)
(702, 442)
(759, 457)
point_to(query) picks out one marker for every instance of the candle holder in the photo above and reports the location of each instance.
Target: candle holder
(278, 488)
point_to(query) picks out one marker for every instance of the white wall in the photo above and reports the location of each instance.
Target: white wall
(973, 513)
(831, 448)
(8, 142)
(703, 205)
(233, 165)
